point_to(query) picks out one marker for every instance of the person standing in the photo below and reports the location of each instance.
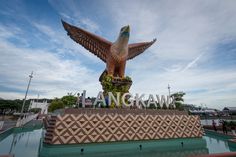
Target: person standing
(232, 128)
(214, 125)
(78, 100)
(224, 127)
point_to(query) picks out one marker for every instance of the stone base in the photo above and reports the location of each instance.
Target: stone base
(95, 128)
(115, 84)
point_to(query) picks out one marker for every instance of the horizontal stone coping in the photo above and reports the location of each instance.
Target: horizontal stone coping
(104, 111)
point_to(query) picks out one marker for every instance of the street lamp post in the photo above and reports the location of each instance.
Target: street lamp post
(169, 89)
(30, 77)
(169, 93)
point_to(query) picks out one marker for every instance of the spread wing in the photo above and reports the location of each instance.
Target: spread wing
(95, 44)
(138, 48)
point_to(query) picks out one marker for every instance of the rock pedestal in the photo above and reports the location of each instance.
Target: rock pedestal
(115, 84)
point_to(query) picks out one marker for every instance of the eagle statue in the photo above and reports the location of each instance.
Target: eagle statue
(113, 54)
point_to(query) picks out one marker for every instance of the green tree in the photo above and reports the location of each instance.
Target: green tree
(69, 100)
(178, 99)
(13, 105)
(56, 104)
(66, 101)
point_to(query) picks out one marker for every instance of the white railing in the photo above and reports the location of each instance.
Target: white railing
(209, 122)
(22, 121)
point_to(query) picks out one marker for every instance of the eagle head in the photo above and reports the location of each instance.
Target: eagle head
(124, 32)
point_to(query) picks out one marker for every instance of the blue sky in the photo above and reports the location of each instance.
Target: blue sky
(195, 50)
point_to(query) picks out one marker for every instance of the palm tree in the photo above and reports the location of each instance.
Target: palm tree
(178, 100)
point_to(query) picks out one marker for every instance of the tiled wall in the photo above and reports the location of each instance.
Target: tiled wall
(92, 128)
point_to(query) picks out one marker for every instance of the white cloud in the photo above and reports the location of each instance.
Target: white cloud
(70, 11)
(192, 63)
(53, 76)
(187, 33)
(183, 28)
(211, 84)
(63, 43)
(90, 25)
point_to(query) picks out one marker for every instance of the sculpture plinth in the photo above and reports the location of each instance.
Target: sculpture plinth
(97, 126)
(115, 84)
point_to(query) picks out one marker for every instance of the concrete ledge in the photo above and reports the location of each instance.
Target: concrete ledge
(152, 147)
(6, 133)
(219, 133)
(9, 155)
(228, 154)
(232, 143)
(231, 138)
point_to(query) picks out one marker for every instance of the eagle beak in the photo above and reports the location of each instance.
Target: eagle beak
(127, 29)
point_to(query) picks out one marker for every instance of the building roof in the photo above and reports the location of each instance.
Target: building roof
(230, 108)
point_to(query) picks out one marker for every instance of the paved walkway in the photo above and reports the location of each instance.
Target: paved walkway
(11, 124)
(7, 125)
(33, 123)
